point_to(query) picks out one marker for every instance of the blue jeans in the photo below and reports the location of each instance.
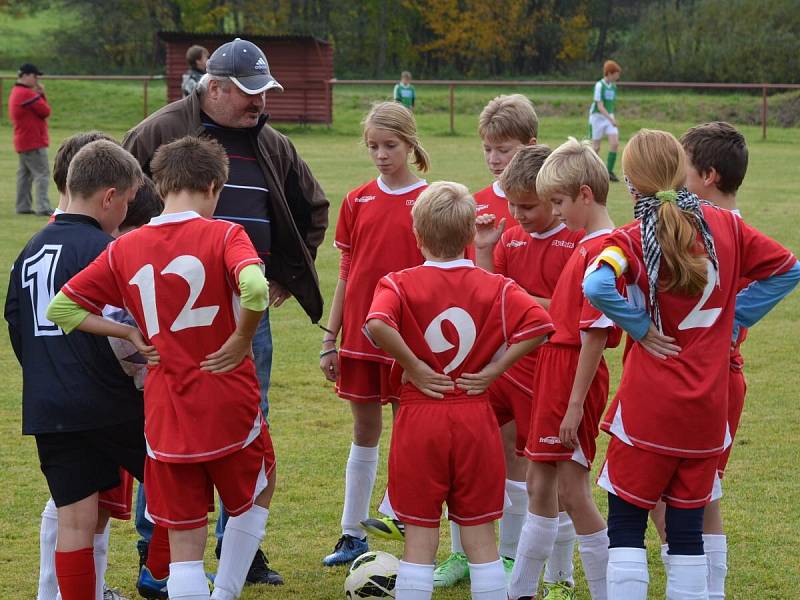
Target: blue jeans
(262, 353)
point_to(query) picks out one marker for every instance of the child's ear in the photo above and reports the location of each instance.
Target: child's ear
(532, 141)
(416, 237)
(586, 195)
(711, 177)
(108, 197)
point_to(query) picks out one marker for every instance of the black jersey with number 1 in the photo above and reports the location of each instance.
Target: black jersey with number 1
(69, 382)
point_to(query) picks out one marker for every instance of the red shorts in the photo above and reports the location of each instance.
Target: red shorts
(643, 478)
(555, 372)
(180, 495)
(511, 403)
(365, 381)
(446, 451)
(737, 388)
(119, 500)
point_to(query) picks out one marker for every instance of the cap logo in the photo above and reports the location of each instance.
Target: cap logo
(261, 65)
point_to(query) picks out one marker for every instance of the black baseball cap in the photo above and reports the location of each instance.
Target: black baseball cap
(27, 69)
(245, 64)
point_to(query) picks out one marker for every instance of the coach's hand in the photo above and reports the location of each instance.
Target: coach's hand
(230, 355)
(428, 381)
(277, 294)
(478, 383)
(659, 345)
(149, 352)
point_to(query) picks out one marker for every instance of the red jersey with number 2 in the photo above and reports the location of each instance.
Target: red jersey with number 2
(178, 278)
(679, 406)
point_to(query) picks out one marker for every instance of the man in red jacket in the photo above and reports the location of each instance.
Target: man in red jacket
(29, 110)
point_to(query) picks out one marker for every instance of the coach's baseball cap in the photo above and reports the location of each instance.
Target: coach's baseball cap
(27, 69)
(245, 64)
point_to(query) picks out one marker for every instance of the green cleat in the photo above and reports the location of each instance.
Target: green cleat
(454, 569)
(508, 567)
(385, 528)
(563, 590)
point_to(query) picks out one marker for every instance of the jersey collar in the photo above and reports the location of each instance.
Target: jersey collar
(174, 218)
(78, 218)
(549, 232)
(400, 191)
(597, 233)
(498, 191)
(449, 264)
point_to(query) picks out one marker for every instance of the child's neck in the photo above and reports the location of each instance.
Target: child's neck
(186, 201)
(441, 259)
(721, 199)
(400, 179)
(598, 220)
(550, 226)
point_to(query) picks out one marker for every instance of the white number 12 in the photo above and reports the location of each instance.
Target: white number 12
(191, 270)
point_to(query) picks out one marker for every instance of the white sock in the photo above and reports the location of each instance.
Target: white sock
(488, 581)
(414, 582)
(594, 556)
(535, 546)
(513, 517)
(627, 575)
(242, 536)
(48, 535)
(101, 560)
(187, 581)
(687, 577)
(455, 538)
(665, 558)
(359, 479)
(560, 566)
(386, 506)
(716, 549)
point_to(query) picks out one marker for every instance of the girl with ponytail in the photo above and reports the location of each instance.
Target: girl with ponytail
(681, 260)
(375, 237)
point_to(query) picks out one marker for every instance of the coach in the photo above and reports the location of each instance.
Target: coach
(270, 189)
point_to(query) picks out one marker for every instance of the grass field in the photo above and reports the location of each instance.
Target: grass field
(311, 427)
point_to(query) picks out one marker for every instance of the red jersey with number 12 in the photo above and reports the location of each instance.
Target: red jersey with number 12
(178, 278)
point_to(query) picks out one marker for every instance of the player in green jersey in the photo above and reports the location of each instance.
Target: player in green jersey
(601, 114)
(404, 92)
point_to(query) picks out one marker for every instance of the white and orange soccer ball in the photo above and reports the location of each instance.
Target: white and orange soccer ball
(372, 575)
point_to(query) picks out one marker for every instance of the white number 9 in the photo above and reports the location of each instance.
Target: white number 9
(465, 327)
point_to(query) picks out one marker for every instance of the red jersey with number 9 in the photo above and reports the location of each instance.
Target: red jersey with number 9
(678, 406)
(457, 317)
(178, 278)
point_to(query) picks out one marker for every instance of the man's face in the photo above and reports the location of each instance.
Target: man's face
(232, 107)
(29, 79)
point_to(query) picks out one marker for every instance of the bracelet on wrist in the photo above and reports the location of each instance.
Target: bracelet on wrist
(327, 352)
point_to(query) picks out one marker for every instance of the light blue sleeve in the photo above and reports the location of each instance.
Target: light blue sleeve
(600, 289)
(760, 297)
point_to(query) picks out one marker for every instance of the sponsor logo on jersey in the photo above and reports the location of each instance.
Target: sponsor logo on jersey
(516, 244)
(364, 199)
(480, 207)
(563, 244)
(550, 439)
(410, 202)
(583, 252)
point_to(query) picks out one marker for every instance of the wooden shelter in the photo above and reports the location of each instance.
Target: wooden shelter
(302, 64)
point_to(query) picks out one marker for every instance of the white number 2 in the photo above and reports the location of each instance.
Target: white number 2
(465, 327)
(191, 270)
(700, 317)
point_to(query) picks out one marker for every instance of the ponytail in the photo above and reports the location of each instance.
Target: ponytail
(685, 261)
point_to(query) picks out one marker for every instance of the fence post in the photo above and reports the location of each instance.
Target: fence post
(146, 81)
(1, 100)
(328, 103)
(452, 108)
(764, 113)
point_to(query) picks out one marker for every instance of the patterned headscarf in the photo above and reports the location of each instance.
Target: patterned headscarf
(646, 210)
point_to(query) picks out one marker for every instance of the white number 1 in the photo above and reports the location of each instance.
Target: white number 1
(191, 270)
(700, 317)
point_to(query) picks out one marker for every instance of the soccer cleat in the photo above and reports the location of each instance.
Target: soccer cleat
(508, 567)
(454, 569)
(259, 571)
(151, 588)
(112, 594)
(612, 177)
(347, 549)
(562, 590)
(385, 528)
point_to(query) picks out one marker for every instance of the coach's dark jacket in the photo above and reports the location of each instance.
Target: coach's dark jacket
(299, 208)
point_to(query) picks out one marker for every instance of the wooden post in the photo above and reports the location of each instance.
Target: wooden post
(146, 112)
(1, 100)
(452, 108)
(328, 103)
(764, 113)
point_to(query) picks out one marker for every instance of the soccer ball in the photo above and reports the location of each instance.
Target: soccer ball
(372, 575)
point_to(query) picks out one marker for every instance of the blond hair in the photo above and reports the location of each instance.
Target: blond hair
(444, 218)
(654, 161)
(101, 165)
(397, 119)
(519, 177)
(572, 165)
(508, 118)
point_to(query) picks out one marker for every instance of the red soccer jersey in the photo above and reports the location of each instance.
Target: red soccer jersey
(570, 310)
(678, 406)
(491, 200)
(178, 278)
(375, 228)
(535, 261)
(455, 316)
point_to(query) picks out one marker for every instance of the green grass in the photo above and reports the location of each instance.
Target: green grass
(312, 428)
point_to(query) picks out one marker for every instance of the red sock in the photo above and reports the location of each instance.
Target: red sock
(158, 553)
(75, 572)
